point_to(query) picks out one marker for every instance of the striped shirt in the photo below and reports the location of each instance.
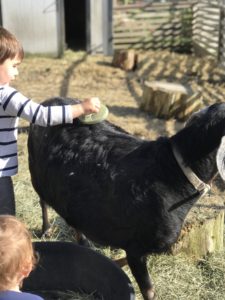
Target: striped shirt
(14, 105)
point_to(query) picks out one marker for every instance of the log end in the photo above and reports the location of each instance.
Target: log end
(170, 100)
(203, 229)
(125, 59)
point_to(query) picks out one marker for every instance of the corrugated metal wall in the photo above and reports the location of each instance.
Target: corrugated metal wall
(39, 25)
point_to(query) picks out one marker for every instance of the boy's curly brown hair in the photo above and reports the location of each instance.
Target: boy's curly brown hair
(10, 47)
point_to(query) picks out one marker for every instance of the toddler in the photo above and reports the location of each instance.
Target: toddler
(14, 105)
(16, 259)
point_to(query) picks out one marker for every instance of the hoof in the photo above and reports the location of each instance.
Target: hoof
(121, 262)
(47, 233)
(149, 295)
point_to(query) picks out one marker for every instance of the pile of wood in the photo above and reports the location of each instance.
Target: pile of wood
(170, 100)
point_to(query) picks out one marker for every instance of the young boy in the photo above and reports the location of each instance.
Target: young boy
(16, 259)
(14, 105)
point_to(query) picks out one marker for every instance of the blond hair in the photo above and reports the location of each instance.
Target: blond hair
(10, 47)
(16, 250)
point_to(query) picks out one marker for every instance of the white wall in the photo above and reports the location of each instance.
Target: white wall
(96, 26)
(99, 26)
(38, 24)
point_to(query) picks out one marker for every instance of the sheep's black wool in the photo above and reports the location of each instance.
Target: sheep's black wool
(120, 190)
(67, 267)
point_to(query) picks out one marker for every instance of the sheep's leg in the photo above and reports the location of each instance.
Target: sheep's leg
(45, 222)
(82, 240)
(139, 270)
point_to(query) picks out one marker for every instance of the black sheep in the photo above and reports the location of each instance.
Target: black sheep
(65, 266)
(122, 191)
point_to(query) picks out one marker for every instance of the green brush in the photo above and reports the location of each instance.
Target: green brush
(94, 118)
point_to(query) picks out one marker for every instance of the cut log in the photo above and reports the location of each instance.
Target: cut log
(125, 59)
(170, 100)
(203, 229)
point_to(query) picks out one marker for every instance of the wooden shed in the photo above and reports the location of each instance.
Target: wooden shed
(49, 26)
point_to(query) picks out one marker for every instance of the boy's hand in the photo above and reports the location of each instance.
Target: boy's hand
(91, 105)
(87, 106)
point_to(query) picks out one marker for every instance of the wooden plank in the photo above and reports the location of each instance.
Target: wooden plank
(205, 27)
(148, 45)
(119, 31)
(152, 11)
(150, 39)
(202, 18)
(151, 43)
(209, 23)
(158, 15)
(148, 23)
(157, 31)
(166, 5)
(137, 46)
(207, 42)
(202, 50)
(206, 21)
(214, 33)
(201, 37)
(207, 48)
(211, 10)
(211, 17)
(149, 27)
(133, 38)
(210, 2)
(151, 19)
(207, 35)
(153, 15)
(208, 27)
(174, 8)
(144, 4)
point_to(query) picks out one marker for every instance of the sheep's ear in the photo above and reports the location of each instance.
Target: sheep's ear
(220, 158)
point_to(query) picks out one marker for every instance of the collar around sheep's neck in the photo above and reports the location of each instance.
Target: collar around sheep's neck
(198, 184)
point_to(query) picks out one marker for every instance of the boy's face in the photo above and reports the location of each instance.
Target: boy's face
(9, 70)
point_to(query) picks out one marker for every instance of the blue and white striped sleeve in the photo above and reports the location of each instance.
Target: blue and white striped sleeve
(15, 104)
